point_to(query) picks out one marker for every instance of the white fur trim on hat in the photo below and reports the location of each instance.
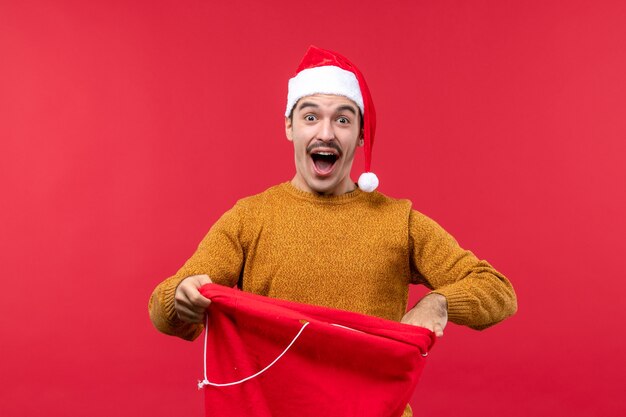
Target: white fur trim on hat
(368, 182)
(323, 80)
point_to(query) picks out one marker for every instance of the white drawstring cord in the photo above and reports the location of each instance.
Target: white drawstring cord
(346, 327)
(355, 330)
(205, 382)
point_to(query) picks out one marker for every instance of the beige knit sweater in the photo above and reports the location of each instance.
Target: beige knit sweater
(358, 252)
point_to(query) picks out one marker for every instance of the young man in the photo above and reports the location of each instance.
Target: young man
(319, 239)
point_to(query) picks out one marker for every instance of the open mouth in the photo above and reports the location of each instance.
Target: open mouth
(324, 161)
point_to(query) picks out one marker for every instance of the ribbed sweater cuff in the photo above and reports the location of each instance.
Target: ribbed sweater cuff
(164, 315)
(459, 303)
(167, 302)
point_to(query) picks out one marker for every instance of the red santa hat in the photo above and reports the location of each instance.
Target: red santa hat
(326, 72)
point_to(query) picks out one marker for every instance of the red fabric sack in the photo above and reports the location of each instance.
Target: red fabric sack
(306, 361)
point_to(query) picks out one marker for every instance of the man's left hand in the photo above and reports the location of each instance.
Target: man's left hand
(431, 313)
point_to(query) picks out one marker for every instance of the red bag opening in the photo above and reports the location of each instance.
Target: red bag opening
(272, 358)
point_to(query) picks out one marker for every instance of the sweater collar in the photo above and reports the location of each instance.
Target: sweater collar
(289, 188)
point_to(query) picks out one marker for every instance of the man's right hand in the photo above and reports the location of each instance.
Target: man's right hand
(189, 304)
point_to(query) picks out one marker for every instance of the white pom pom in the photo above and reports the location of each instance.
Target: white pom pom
(368, 181)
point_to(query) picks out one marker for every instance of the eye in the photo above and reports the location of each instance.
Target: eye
(343, 120)
(310, 118)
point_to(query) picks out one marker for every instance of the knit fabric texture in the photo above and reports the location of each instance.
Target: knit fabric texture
(356, 252)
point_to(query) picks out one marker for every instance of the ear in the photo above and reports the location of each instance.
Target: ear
(289, 129)
(361, 140)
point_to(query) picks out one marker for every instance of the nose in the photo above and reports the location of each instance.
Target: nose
(326, 132)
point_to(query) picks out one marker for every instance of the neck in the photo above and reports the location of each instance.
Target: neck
(346, 186)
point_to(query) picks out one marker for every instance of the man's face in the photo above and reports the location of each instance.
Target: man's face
(325, 131)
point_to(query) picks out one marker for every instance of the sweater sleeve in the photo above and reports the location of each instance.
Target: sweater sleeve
(478, 296)
(219, 255)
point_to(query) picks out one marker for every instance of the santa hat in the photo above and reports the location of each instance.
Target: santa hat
(326, 72)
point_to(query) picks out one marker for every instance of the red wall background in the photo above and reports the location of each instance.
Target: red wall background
(127, 128)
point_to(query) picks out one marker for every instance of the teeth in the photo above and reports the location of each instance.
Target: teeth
(325, 153)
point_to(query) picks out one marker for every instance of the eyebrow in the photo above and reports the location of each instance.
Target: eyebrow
(306, 104)
(345, 107)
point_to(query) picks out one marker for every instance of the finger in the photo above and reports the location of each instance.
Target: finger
(189, 308)
(198, 310)
(198, 281)
(199, 301)
(191, 297)
(204, 279)
(409, 319)
(438, 330)
(189, 316)
(182, 298)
